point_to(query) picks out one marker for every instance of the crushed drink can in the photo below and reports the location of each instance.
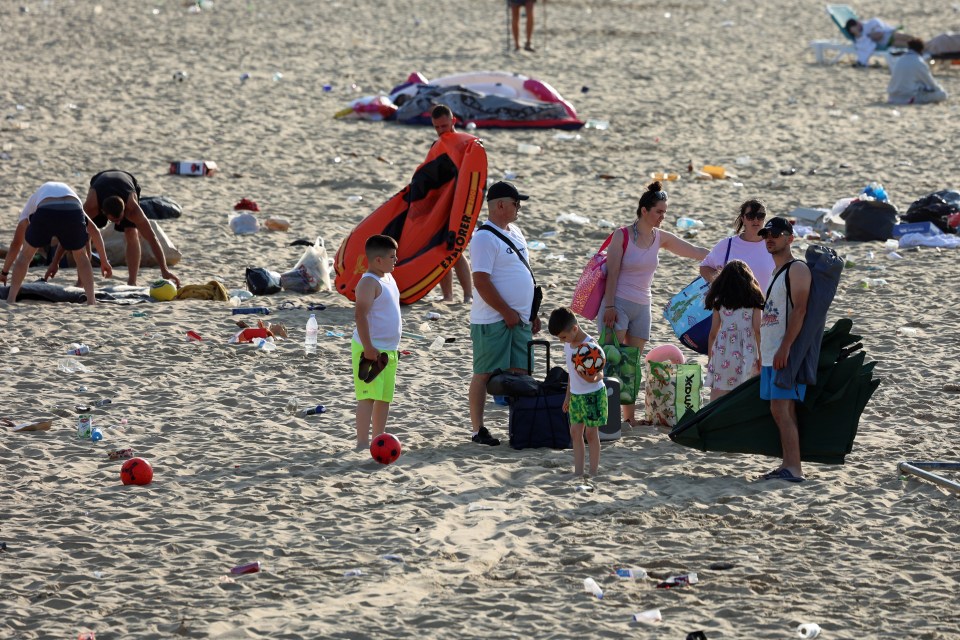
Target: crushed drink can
(84, 426)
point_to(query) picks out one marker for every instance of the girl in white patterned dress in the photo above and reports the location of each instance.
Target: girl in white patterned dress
(734, 346)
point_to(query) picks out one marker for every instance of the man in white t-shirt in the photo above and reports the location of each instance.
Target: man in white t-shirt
(501, 319)
(53, 211)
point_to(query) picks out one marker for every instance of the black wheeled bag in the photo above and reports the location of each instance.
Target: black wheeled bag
(539, 420)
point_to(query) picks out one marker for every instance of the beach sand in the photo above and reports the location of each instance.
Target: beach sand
(495, 542)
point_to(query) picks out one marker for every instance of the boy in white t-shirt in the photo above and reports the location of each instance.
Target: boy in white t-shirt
(376, 338)
(586, 400)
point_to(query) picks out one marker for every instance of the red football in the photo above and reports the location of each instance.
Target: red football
(136, 471)
(385, 448)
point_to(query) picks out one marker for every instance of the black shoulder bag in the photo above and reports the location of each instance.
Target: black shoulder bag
(537, 289)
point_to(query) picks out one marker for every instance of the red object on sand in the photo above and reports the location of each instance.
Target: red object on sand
(253, 567)
(252, 333)
(385, 448)
(193, 336)
(246, 204)
(136, 471)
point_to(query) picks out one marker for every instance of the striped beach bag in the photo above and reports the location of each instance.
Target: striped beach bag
(588, 294)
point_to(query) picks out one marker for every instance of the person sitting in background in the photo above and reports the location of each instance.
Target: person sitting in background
(911, 81)
(873, 35)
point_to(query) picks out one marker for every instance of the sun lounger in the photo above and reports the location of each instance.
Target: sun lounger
(831, 51)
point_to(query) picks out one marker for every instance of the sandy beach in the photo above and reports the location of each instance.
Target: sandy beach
(489, 542)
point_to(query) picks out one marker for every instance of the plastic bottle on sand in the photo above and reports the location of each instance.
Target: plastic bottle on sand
(590, 586)
(310, 341)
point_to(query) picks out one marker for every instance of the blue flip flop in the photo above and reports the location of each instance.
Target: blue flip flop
(782, 474)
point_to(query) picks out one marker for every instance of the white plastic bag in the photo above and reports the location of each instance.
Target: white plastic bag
(311, 273)
(244, 223)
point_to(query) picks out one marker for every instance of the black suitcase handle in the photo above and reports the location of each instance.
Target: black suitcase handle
(530, 346)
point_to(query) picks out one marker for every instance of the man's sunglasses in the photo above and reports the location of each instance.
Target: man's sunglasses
(519, 204)
(772, 234)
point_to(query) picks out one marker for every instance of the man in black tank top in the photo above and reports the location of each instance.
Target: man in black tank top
(114, 196)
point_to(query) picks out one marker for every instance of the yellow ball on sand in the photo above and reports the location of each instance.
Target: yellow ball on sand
(163, 290)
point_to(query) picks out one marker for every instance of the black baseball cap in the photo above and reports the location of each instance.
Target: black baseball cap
(504, 190)
(776, 225)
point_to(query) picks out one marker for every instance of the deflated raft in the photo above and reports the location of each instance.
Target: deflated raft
(740, 422)
(432, 220)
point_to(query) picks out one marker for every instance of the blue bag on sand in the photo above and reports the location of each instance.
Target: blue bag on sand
(688, 317)
(685, 312)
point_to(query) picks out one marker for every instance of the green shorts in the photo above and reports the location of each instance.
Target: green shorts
(382, 386)
(497, 347)
(589, 409)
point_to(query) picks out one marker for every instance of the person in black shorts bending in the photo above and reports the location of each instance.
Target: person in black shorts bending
(53, 210)
(114, 196)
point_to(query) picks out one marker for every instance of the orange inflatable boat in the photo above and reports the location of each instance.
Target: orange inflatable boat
(432, 220)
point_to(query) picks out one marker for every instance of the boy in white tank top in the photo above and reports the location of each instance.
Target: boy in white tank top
(376, 338)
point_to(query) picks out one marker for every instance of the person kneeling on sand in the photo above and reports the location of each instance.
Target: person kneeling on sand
(911, 81)
(53, 210)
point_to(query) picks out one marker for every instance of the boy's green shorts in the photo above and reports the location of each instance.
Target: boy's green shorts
(382, 386)
(589, 409)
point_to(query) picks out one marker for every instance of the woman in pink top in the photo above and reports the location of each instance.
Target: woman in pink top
(626, 302)
(746, 244)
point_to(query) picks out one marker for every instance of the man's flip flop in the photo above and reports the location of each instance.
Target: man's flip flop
(368, 370)
(782, 474)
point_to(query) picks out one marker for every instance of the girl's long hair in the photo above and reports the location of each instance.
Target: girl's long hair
(734, 288)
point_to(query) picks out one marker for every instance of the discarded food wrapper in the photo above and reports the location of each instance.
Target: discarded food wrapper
(36, 425)
(252, 567)
(650, 615)
(277, 224)
(120, 454)
(203, 168)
